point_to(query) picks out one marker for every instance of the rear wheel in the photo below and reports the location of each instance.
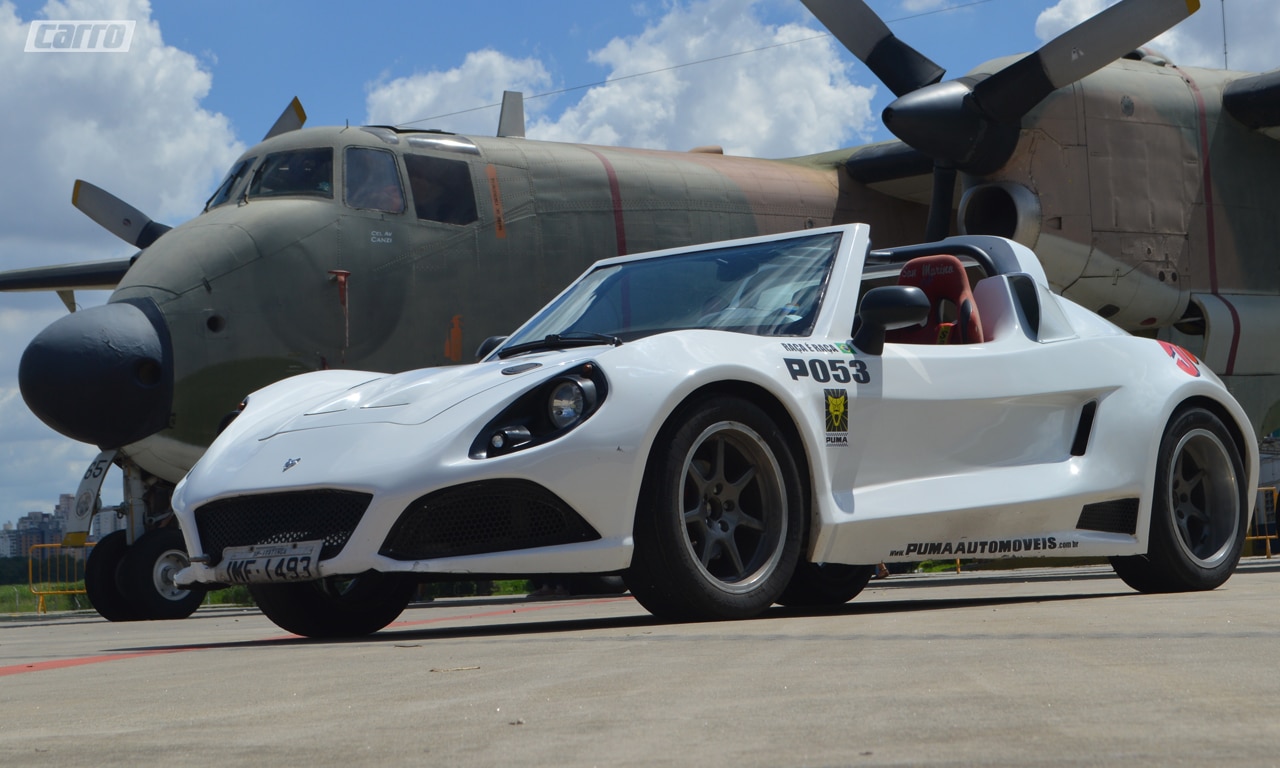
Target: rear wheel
(1199, 513)
(817, 585)
(721, 516)
(338, 606)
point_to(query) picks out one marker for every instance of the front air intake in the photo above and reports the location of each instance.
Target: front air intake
(280, 518)
(488, 516)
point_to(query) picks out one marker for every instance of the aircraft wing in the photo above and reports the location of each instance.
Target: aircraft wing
(85, 276)
(895, 169)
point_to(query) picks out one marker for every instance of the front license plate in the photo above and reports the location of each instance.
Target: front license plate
(270, 563)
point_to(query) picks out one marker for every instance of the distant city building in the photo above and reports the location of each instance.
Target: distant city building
(8, 541)
(106, 521)
(33, 528)
(50, 527)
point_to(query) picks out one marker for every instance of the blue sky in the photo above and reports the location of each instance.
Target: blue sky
(158, 126)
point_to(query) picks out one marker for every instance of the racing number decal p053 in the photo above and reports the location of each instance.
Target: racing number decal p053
(823, 371)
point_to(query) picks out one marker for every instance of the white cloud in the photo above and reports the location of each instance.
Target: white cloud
(130, 123)
(923, 6)
(786, 100)
(481, 79)
(1197, 42)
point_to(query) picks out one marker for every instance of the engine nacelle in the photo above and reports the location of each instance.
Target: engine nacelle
(1003, 209)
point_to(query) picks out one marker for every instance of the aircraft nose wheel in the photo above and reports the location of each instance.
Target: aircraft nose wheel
(147, 573)
(137, 583)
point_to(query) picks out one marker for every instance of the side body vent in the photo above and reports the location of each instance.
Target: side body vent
(1084, 428)
(1119, 516)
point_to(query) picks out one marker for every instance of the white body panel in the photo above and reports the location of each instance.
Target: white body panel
(961, 450)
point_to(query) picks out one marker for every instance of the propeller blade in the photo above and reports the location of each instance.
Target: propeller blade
(899, 66)
(116, 216)
(1077, 53)
(291, 119)
(511, 119)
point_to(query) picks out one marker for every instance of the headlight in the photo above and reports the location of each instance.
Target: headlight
(570, 399)
(545, 412)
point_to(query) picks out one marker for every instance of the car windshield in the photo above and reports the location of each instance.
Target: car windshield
(767, 289)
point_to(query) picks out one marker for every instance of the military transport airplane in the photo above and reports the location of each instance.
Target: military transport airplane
(383, 248)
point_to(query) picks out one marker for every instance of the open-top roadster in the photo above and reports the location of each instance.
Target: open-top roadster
(732, 425)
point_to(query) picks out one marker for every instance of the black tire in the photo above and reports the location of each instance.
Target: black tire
(721, 515)
(103, 579)
(147, 576)
(821, 585)
(351, 606)
(1199, 513)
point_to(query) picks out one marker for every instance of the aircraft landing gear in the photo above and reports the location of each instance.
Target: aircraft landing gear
(135, 583)
(129, 573)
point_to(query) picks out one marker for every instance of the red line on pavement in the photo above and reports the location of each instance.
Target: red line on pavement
(43, 666)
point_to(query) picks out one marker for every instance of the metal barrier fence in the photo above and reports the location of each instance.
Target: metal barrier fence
(53, 569)
(1263, 527)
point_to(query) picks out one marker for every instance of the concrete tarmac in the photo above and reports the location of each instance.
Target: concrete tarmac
(1031, 667)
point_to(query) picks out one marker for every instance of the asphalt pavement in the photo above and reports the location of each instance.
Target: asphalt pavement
(1029, 667)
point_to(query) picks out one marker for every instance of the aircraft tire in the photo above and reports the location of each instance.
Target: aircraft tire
(1200, 511)
(823, 585)
(103, 579)
(147, 574)
(721, 516)
(336, 606)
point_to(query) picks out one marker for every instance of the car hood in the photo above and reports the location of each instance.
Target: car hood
(418, 396)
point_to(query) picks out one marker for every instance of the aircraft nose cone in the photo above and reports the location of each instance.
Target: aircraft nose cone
(103, 375)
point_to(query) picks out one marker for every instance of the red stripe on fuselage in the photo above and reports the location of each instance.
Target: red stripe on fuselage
(1206, 173)
(615, 191)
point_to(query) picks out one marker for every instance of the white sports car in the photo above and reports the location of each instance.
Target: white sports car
(733, 425)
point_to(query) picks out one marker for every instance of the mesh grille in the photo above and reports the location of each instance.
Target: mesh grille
(279, 518)
(491, 516)
(1120, 516)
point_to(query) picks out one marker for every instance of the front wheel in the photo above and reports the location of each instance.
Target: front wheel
(1199, 513)
(337, 606)
(721, 516)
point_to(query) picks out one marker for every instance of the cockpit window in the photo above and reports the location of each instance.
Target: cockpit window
(442, 189)
(372, 181)
(223, 193)
(296, 172)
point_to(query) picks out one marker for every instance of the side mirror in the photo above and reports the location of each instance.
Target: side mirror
(488, 345)
(885, 309)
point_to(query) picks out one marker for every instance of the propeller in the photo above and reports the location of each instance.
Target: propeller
(899, 66)
(116, 216)
(972, 124)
